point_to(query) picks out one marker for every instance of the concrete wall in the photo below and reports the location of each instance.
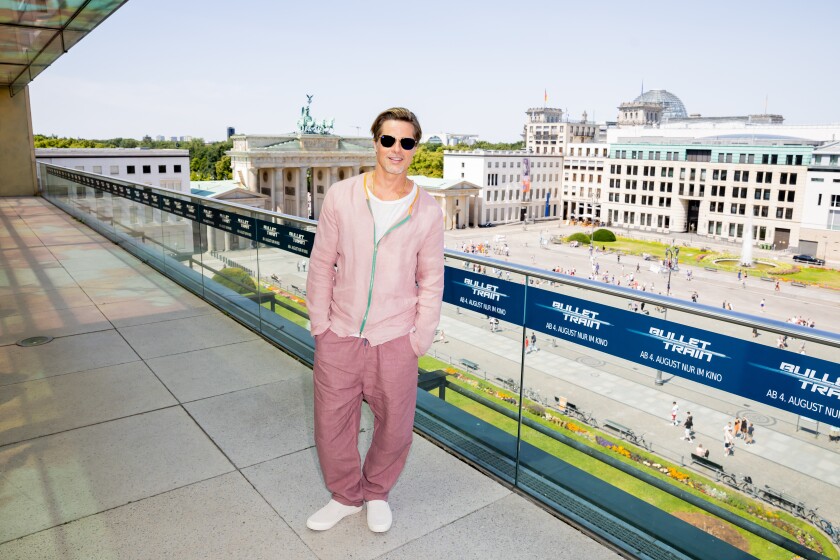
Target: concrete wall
(17, 153)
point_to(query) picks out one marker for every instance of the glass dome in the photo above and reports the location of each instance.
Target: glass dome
(672, 107)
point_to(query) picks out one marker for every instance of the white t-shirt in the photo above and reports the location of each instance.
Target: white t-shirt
(386, 213)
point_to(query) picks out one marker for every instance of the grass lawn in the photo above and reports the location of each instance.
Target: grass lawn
(818, 276)
(662, 500)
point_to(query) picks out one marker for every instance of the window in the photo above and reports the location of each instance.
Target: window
(737, 175)
(129, 169)
(147, 169)
(723, 175)
(115, 170)
(97, 169)
(793, 178)
(161, 169)
(176, 168)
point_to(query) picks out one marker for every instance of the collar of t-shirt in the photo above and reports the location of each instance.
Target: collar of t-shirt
(387, 212)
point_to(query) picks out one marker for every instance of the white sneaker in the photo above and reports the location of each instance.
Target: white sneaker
(379, 516)
(326, 517)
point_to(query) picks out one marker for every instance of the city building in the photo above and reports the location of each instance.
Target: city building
(515, 185)
(820, 224)
(165, 168)
(296, 170)
(449, 139)
(457, 199)
(711, 187)
(583, 181)
(545, 132)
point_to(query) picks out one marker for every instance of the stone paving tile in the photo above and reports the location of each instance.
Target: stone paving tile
(63, 477)
(65, 402)
(64, 355)
(220, 518)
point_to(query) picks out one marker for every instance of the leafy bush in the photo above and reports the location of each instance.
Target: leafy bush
(536, 409)
(580, 237)
(235, 279)
(603, 235)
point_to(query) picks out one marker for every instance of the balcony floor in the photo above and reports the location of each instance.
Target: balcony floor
(154, 426)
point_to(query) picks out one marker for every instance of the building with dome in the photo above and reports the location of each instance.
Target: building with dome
(651, 109)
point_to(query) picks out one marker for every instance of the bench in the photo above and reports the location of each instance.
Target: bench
(710, 269)
(799, 284)
(469, 364)
(615, 426)
(298, 290)
(703, 462)
(767, 279)
(783, 500)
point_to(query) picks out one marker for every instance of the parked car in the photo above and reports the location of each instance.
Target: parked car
(808, 259)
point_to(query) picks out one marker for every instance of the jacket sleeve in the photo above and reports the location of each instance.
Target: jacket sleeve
(321, 277)
(430, 286)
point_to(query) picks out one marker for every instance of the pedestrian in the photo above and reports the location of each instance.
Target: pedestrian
(755, 332)
(737, 428)
(778, 288)
(534, 342)
(728, 440)
(729, 306)
(688, 424)
(750, 431)
(744, 428)
(675, 409)
(369, 335)
(739, 275)
(762, 305)
(527, 345)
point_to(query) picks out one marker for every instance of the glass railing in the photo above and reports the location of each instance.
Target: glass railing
(559, 386)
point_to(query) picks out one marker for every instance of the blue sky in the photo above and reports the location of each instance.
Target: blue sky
(189, 67)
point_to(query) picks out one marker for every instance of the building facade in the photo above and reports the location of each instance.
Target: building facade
(714, 188)
(296, 170)
(584, 174)
(820, 226)
(165, 168)
(546, 133)
(515, 185)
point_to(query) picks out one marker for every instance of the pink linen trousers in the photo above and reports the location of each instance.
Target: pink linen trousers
(373, 309)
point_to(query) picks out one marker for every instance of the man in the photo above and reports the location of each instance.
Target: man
(688, 424)
(374, 294)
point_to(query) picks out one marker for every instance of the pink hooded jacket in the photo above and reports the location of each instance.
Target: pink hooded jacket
(382, 291)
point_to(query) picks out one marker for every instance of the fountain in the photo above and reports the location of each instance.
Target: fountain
(746, 247)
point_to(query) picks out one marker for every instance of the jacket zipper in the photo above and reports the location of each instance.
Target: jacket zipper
(373, 263)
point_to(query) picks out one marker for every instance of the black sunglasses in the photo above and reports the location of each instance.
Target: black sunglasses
(406, 144)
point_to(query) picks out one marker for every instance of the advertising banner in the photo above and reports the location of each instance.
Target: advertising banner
(484, 294)
(294, 240)
(795, 382)
(244, 226)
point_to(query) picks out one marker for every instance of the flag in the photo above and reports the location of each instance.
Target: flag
(545, 96)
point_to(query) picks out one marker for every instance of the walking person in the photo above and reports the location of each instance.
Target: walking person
(374, 297)
(750, 432)
(675, 409)
(688, 424)
(762, 305)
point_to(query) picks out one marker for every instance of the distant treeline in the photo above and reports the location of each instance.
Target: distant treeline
(207, 161)
(428, 160)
